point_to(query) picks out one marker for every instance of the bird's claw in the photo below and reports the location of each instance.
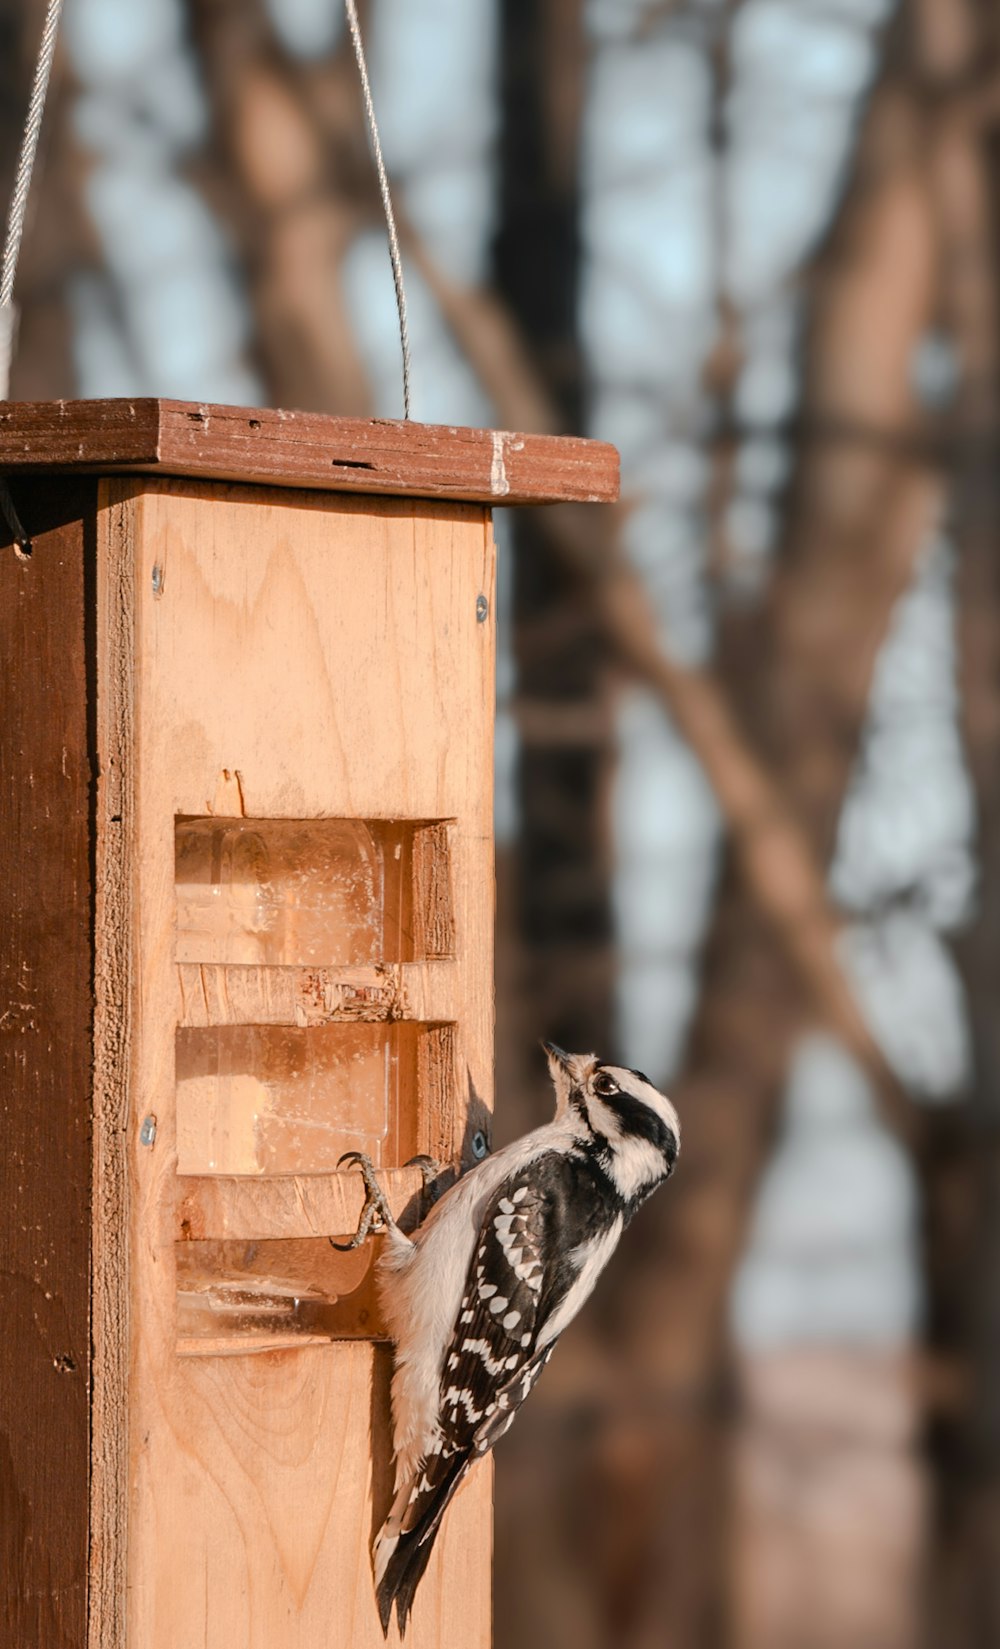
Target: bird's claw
(430, 1171)
(376, 1214)
(428, 1166)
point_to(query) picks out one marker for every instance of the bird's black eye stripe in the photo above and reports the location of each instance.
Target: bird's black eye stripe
(643, 1122)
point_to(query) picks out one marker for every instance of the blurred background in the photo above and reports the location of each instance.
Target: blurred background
(747, 739)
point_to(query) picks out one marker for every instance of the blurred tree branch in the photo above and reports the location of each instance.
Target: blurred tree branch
(774, 851)
(960, 47)
(287, 180)
(799, 667)
(290, 188)
(800, 671)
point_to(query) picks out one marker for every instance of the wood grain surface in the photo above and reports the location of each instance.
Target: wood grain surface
(306, 449)
(277, 655)
(45, 1071)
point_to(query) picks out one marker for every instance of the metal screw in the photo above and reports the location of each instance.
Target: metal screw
(482, 614)
(157, 579)
(479, 1142)
(147, 1133)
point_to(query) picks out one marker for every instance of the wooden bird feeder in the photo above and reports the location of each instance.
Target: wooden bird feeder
(246, 824)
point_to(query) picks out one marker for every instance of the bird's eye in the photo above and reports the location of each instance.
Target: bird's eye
(604, 1083)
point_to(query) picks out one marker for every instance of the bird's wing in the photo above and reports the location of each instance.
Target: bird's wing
(492, 1361)
(493, 1358)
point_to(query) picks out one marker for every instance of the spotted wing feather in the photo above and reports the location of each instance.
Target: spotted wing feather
(489, 1368)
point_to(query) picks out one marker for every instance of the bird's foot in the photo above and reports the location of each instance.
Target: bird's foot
(429, 1172)
(376, 1214)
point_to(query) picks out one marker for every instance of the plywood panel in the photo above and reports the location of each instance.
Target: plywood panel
(45, 1056)
(295, 657)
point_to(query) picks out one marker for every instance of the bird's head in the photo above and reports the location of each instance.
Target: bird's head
(618, 1105)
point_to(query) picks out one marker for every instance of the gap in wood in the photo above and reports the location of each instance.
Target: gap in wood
(258, 1296)
(258, 899)
(312, 892)
(288, 1099)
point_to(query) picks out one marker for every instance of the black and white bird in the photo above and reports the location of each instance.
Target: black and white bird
(476, 1300)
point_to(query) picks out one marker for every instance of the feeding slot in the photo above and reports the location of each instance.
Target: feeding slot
(282, 1099)
(238, 1296)
(285, 1099)
(312, 892)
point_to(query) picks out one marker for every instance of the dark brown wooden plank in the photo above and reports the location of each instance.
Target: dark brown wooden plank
(45, 1057)
(306, 449)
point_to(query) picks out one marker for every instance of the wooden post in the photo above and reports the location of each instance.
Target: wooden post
(246, 824)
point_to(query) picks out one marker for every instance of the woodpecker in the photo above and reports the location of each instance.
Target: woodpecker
(476, 1299)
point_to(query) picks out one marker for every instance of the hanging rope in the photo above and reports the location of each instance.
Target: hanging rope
(15, 230)
(22, 184)
(383, 183)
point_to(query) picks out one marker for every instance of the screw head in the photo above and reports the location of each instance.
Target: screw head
(482, 609)
(480, 1145)
(157, 579)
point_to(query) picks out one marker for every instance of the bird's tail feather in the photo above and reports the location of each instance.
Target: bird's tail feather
(406, 1539)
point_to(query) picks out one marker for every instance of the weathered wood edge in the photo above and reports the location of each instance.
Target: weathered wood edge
(305, 449)
(114, 986)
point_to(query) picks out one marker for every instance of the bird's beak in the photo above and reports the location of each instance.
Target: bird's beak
(559, 1055)
(562, 1070)
(568, 1072)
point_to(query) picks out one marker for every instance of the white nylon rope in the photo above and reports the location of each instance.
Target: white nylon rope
(383, 183)
(15, 230)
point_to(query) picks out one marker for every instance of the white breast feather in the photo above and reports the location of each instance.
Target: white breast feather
(635, 1165)
(592, 1257)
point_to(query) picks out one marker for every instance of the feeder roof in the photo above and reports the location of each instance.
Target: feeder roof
(304, 449)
